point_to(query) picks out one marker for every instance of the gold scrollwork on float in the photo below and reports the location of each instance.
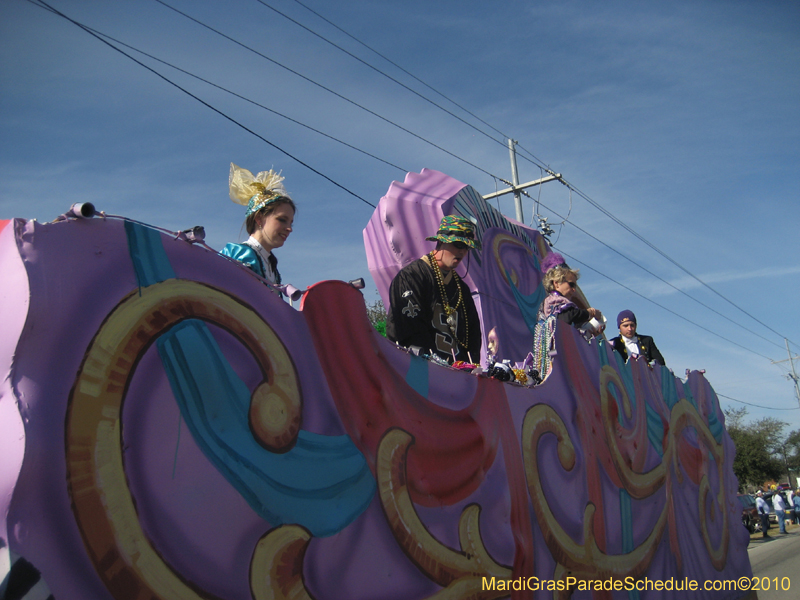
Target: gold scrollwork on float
(685, 416)
(276, 569)
(281, 551)
(586, 560)
(638, 485)
(459, 572)
(102, 503)
(576, 558)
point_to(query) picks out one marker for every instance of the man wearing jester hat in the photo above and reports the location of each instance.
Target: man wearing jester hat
(430, 307)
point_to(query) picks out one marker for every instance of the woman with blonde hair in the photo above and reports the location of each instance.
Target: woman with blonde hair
(560, 283)
(268, 220)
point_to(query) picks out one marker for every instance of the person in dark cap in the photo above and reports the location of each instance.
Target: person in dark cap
(629, 343)
(430, 307)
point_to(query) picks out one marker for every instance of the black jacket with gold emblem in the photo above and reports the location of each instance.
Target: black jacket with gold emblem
(417, 316)
(647, 348)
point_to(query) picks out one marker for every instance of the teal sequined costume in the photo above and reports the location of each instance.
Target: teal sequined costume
(250, 257)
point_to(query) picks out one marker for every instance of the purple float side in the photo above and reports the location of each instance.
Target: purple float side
(607, 469)
(14, 300)
(408, 213)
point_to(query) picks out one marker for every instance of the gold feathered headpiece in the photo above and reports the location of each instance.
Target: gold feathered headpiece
(255, 192)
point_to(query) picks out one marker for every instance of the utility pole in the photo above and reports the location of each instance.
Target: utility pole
(516, 188)
(792, 375)
(786, 465)
(512, 150)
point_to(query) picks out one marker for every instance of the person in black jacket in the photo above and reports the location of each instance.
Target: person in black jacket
(629, 342)
(430, 307)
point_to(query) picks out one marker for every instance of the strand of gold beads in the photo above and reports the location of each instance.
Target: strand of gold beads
(449, 310)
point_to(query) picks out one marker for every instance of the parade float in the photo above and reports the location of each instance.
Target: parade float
(171, 429)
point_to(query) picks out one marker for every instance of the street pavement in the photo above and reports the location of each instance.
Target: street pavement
(776, 559)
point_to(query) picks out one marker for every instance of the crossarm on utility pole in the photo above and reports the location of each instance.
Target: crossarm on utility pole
(523, 186)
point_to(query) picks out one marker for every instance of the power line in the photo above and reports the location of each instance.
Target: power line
(572, 188)
(327, 89)
(203, 102)
(662, 306)
(232, 93)
(536, 161)
(569, 185)
(541, 165)
(377, 70)
(646, 270)
(755, 405)
(402, 69)
(566, 220)
(667, 257)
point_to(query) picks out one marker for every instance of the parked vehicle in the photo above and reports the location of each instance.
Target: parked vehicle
(750, 518)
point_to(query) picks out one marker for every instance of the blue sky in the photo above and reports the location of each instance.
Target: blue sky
(682, 119)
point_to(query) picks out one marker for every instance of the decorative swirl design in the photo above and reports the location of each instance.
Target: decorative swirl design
(684, 416)
(638, 485)
(587, 560)
(459, 572)
(510, 275)
(104, 509)
(280, 552)
(276, 570)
